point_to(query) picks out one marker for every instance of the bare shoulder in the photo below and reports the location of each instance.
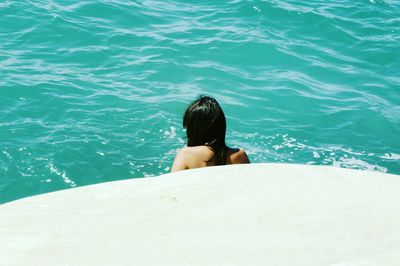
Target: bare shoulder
(197, 151)
(237, 156)
(186, 154)
(191, 157)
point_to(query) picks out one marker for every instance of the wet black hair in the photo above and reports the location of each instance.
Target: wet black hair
(205, 124)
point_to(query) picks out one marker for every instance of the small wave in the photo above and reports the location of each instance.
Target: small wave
(62, 174)
(358, 164)
(100, 87)
(390, 156)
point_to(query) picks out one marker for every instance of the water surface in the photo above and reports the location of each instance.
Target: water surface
(94, 91)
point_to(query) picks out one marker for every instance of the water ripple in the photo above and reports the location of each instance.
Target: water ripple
(94, 91)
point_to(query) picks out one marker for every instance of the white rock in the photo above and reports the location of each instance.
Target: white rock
(259, 214)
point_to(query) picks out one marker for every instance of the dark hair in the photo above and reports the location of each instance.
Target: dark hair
(205, 124)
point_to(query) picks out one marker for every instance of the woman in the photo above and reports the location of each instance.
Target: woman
(205, 126)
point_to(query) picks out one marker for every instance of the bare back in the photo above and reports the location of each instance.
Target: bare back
(201, 156)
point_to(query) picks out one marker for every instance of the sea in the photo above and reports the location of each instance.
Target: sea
(94, 90)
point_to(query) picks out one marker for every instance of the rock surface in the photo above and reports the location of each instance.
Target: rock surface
(258, 214)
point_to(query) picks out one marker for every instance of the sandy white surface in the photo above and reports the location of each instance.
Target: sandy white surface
(259, 214)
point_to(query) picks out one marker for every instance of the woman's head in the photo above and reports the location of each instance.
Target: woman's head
(205, 124)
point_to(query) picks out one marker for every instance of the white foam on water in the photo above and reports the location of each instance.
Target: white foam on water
(171, 133)
(62, 174)
(316, 154)
(390, 156)
(358, 164)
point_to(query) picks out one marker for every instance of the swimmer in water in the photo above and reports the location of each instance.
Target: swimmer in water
(205, 126)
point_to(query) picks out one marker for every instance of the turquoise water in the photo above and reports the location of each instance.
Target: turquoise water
(94, 91)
